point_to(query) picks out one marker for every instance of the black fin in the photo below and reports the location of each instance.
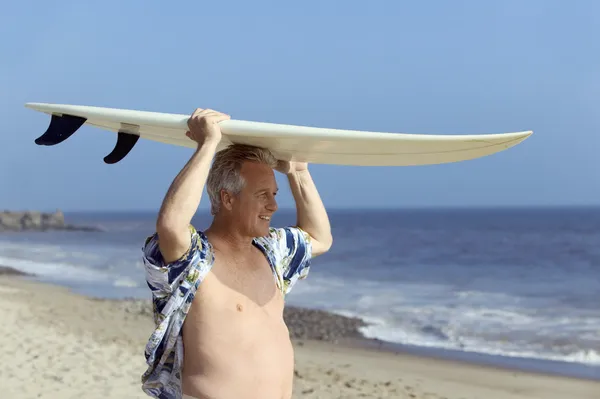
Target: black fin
(60, 129)
(125, 142)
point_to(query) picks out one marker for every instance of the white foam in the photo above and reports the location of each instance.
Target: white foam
(381, 329)
(437, 316)
(125, 282)
(48, 253)
(54, 270)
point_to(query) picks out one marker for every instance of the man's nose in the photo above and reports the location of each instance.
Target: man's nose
(272, 205)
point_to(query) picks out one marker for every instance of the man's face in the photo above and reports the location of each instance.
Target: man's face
(253, 207)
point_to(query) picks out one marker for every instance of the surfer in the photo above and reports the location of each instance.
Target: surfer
(219, 293)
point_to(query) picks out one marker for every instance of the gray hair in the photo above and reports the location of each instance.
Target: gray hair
(225, 174)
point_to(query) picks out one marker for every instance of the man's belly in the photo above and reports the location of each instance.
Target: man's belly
(233, 355)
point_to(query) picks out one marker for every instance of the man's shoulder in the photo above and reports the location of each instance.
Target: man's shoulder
(286, 239)
(279, 233)
(198, 244)
(152, 239)
(291, 249)
(160, 273)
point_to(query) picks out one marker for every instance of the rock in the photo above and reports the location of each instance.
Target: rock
(9, 271)
(37, 221)
(302, 323)
(321, 325)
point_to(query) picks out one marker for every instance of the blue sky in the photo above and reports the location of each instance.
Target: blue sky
(436, 67)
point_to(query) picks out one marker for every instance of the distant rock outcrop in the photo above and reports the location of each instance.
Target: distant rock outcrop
(37, 221)
(10, 271)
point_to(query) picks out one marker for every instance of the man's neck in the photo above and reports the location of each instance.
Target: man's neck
(223, 237)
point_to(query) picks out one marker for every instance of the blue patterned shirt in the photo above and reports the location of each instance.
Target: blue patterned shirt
(173, 286)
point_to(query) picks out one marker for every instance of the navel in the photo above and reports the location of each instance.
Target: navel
(239, 307)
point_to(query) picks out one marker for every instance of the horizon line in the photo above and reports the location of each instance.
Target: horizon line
(332, 208)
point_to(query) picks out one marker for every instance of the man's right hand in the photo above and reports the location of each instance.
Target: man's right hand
(204, 125)
(182, 199)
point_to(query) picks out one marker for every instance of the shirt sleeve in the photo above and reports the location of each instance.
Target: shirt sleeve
(164, 278)
(295, 252)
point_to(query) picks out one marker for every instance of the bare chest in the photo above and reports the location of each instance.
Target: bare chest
(245, 285)
(238, 304)
(235, 331)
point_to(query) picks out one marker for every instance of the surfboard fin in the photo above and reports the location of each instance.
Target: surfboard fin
(61, 128)
(125, 142)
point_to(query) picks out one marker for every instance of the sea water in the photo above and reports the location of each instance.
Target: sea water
(515, 283)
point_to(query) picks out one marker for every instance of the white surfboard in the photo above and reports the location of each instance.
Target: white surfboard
(287, 142)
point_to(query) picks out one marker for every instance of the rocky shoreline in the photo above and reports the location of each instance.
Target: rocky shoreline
(320, 325)
(37, 221)
(9, 271)
(303, 324)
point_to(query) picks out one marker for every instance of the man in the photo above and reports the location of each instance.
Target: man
(219, 294)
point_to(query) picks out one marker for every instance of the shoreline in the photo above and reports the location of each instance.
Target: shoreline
(72, 345)
(307, 324)
(542, 367)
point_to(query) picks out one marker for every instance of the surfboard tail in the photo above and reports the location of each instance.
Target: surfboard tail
(64, 126)
(125, 143)
(61, 128)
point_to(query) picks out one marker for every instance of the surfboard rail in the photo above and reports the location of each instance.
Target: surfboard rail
(311, 144)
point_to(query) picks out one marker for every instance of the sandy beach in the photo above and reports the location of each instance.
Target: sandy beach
(58, 344)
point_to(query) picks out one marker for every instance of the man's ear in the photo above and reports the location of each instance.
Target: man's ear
(227, 199)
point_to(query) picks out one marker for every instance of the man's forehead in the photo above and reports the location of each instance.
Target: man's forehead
(257, 173)
(256, 168)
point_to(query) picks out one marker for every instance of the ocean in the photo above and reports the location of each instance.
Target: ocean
(510, 285)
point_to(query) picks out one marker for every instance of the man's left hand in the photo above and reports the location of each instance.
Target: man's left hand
(287, 167)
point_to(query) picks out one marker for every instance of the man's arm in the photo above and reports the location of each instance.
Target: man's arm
(311, 213)
(183, 197)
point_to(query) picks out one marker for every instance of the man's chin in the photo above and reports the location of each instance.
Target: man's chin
(263, 231)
